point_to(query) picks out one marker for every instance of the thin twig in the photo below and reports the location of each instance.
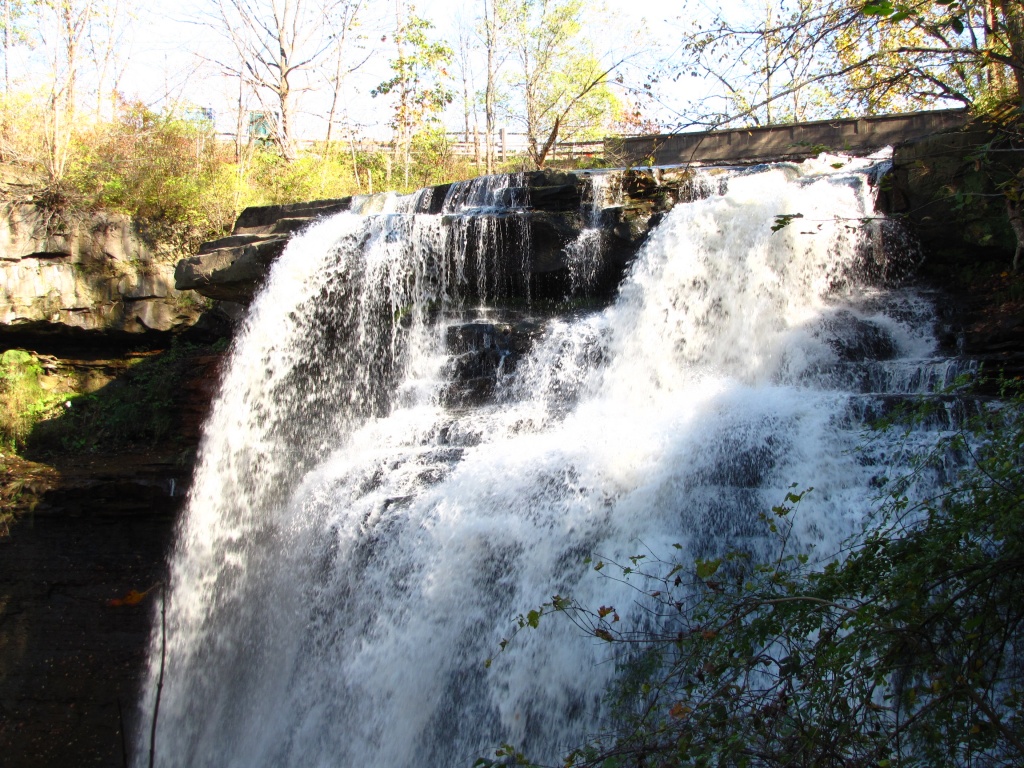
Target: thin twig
(160, 679)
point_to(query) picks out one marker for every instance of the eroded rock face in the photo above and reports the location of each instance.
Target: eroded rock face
(93, 274)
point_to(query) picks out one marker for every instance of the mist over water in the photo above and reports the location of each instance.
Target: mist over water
(359, 539)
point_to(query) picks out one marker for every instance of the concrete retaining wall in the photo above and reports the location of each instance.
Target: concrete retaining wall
(781, 141)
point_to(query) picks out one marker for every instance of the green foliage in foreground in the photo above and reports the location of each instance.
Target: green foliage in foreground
(142, 407)
(43, 413)
(23, 400)
(905, 650)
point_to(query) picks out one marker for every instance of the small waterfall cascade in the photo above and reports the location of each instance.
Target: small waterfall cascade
(583, 254)
(408, 451)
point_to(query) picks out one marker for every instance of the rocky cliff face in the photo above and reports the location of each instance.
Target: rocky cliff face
(89, 514)
(952, 189)
(93, 273)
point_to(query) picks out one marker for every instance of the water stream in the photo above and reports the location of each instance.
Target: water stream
(384, 483)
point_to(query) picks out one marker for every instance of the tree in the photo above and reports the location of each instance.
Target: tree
(418, 82)
(836, 57)
(344, 23)
(14, 13)
(907, 649)
(463, 54)
(561, 84)
(278, 43)
(493, 26)
(105, 40)
(62, 23)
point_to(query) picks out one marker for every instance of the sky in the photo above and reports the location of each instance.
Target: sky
(168, 47)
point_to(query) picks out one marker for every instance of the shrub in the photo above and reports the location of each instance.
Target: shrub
(23, 401)
(162, 169)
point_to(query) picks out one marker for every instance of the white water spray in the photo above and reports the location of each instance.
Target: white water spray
(354, 548)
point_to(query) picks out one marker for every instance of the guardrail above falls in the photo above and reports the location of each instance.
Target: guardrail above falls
(781, 141)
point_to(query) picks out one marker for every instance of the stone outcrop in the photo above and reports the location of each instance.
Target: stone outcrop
(554, 206)
(948, 187)
(229, 269)
(92, 273)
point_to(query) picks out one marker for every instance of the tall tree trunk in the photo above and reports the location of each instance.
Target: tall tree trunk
(240, 123)
(8, 42)
(491, 42)
(1013, 20)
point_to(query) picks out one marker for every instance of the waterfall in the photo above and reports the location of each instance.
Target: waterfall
(406, 454)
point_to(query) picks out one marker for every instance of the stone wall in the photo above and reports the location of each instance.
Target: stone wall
(781, 142)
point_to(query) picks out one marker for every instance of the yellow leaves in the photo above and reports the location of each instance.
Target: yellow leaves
(134, 597)
(680, 711)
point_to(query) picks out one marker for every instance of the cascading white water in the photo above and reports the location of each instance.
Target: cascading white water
(583, 255)
(354, 548)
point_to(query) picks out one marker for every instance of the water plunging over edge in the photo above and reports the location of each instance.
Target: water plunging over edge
(355, 545)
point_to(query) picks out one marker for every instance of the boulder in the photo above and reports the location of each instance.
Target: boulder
(233, 267)
(232, 272)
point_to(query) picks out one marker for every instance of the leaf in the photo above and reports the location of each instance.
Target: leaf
(783, 220)
(604, 634)
(679, 711)
(707, 568)
(134, 597)
(604, 610)
(877, 8)
(533, 619)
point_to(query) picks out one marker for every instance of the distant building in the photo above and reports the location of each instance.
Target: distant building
(200, 115)
(262, 125)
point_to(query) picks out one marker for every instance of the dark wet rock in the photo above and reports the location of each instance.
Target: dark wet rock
(855, 340)
(948, 189)
(482, 351)
(564, 197)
